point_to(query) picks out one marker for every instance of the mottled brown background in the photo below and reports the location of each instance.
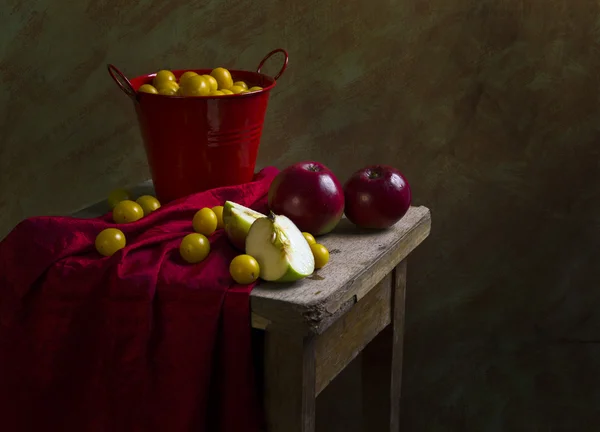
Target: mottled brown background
(490, 107)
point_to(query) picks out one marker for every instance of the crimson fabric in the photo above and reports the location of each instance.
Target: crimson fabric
(140, 341)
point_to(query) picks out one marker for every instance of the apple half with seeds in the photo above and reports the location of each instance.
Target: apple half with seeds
(237, 221)
(281, 250)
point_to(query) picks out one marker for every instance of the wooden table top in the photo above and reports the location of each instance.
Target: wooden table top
(359, 260)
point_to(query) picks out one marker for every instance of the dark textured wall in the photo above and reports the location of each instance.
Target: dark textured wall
(489, 107)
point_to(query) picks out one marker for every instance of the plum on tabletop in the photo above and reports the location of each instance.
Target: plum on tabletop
(109, 241)
(127, 211)
(205, 221)
(309, 238)
(148, 203)
(244, 269)
(116, 196)
(218, 210)
(194, 248)
(321, 255)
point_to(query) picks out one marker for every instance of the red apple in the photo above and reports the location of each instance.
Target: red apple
(310, 195)
(376, 197)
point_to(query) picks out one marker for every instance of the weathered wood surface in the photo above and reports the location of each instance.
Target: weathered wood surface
(382, 365)
(359, 260)
(289, 383)
(347, 337)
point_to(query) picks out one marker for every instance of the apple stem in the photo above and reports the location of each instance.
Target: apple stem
(373, 175)
(271, 216)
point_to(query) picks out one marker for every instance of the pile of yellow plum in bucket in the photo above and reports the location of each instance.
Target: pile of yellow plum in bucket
(218, 83)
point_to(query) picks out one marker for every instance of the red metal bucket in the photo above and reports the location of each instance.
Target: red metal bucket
(198, 143)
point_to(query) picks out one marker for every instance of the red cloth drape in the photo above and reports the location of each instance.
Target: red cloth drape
(140, 341)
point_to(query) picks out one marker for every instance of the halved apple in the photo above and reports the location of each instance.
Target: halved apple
(237, 221)
(281, 250)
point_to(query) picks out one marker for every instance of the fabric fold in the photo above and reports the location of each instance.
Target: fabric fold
(140, 341)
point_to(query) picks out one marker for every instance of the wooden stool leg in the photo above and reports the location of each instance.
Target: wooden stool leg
(289, 383)
(382, 366)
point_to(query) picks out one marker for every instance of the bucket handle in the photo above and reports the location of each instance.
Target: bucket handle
(268, 56)
(122, 81)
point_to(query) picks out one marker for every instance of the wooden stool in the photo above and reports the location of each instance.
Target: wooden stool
(314, 328)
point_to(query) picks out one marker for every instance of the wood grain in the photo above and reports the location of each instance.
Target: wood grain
(359, 260)
(382, 366)
(289, 369)
(346, 338)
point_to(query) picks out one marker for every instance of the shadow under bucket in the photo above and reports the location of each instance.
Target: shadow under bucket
(199, 143)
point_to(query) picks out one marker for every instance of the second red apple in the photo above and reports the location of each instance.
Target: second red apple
(377, 197)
